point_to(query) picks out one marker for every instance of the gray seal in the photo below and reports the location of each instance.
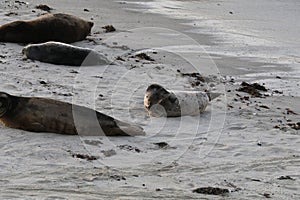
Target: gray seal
(161, 103)
(58, 27)
(64, 54)
(48, 115)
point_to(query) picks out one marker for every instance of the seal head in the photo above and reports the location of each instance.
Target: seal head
(5, 103)
(154, 94)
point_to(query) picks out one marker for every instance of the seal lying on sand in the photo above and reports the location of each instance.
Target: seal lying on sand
(50, 27)
(48, 115)
(63, 54)
(160, 102)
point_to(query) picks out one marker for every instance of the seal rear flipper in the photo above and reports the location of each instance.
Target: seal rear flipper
(114, 127)
(129, 129)
(91, 24)
(213, 95)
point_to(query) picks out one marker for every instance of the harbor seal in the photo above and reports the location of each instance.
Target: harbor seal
(58, 27)
(64, 54)
(48, 115)
(161, 103)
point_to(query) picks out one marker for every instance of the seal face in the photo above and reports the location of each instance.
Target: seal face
(64, 54)
(47, 115)
(50, 27)
(160, 102)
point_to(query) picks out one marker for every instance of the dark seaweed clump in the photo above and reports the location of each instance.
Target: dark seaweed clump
(82, 156)
(43, 7)
(211, 190)
(144, 56)
(252, 89)
(109, 28)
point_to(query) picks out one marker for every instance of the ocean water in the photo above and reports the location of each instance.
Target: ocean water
(265, 31)
(242, 25)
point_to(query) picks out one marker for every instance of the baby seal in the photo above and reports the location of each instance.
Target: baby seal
(58, 27)
(63, 54)
(47, 115)
(160, 102)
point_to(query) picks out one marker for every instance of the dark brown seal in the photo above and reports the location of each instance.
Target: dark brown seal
(47, 115)
(50, 27)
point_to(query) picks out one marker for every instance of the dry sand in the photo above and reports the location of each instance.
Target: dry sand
(233, 145)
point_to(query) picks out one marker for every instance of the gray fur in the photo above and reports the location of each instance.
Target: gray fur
(160, 102)
(63, 54)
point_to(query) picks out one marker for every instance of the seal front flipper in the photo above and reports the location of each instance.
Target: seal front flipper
(171, 106)
(172, 98)
(37, 127)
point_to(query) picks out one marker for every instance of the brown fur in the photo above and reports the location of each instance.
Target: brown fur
(50, 27)
(47, 115)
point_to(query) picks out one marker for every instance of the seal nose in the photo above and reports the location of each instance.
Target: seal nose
(148, 106)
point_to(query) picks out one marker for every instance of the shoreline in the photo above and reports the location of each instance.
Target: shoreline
(261, 52)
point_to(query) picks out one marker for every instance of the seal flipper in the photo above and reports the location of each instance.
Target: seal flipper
(114, 127)
(129, 129)
(170, 101)
(213, 95)
(172, 97)
(37, 127)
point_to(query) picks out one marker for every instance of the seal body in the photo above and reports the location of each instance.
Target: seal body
(159, 102)
(49, 27)
(47, 115)
(63, 54)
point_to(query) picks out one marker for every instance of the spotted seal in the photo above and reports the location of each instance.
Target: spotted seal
(58, 27)
(64, 54)
(160, 102)
(48, 115)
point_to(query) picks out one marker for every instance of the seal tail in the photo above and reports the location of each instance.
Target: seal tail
(213, 95)
(130, 129)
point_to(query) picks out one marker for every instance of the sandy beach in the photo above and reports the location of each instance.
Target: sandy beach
(247, 144)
